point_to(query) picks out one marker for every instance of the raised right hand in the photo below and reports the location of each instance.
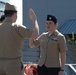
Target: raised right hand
(32, 14)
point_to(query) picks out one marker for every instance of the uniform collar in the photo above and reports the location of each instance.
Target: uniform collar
(8, 20)
(55, 33)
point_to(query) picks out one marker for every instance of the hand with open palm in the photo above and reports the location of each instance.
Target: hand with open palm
(32, 14)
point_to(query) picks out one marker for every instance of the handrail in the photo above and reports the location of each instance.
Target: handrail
(72, 68)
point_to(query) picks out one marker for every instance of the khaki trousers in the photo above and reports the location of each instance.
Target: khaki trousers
(11, 67)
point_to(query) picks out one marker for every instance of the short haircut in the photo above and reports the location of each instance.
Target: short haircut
(9, 13)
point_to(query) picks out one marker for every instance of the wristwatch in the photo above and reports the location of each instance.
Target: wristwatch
(61, 69)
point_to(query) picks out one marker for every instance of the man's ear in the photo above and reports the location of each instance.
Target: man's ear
(57, 24)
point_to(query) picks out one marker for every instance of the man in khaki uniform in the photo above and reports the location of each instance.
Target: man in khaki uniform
(12, 37)
(52, 49)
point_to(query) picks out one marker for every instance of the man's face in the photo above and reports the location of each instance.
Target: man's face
(14, 17)
(50, 25)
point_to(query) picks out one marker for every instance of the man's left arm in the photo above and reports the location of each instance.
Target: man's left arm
(62, 61)
(63, 48)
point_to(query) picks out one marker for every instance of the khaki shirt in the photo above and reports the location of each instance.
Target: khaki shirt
(12, 39)
(50, 46)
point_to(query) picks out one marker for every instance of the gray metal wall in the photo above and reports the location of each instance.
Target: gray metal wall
(30, 55)
(62, 9)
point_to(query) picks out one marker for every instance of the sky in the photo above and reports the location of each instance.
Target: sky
(18, 4)
(5, 0)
